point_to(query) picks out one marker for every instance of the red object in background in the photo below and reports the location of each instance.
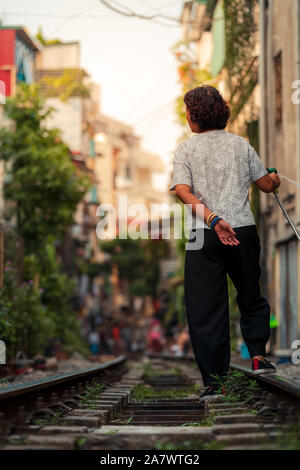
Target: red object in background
(116, 333)
(7, 57)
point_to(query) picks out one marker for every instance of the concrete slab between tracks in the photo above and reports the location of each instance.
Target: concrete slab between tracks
(155, 430)
(144, 437)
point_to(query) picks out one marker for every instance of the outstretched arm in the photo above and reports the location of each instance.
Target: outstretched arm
(224, 231)
(268, 183)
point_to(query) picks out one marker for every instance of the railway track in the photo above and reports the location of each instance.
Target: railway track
(151, 403)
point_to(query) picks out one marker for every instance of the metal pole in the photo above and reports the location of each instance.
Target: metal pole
(287, 216)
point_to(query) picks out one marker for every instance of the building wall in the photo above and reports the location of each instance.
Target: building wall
(279, 144)
(68, 118)
(16, 48)
(124, 167)
(59, 56)
(7, 60)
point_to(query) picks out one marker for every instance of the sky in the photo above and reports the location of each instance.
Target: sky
(129, 58)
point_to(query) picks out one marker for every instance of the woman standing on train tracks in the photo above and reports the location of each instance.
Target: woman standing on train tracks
(212, 173)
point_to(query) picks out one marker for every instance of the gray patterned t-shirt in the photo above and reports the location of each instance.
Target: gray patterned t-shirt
(219, 166)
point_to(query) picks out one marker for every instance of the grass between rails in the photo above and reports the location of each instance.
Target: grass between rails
(238, 386)
(90, 395)
(189, 445)
(144, 392)
(151, 372)
(87, 398)
(289, 439)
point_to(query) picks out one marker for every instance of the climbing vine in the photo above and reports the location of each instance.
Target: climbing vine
(189, 77)
(64, 83)
(241, 62)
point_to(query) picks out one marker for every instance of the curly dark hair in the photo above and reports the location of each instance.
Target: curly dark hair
(207, 108)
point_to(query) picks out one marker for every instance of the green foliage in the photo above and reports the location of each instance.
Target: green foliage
(240, 62)
(42, 191)
(65, 84)
(46, 42)
(80, 442)
(289, 438)
(24, 323)
(193, 444)
(137, 262)
(91, 394)
(149, 372)
(240, 29)
(57, 290)
(144, 392)
(237, 385)
(190, 76)
(42, 185)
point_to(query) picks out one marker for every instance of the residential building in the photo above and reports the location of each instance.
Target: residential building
(106, 148)
(280, 148)
(68, 89)
(125, 167)
(204, 25)
(17, 64)
(17, 57)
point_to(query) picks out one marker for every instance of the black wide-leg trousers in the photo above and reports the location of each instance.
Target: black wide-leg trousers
(206, 298)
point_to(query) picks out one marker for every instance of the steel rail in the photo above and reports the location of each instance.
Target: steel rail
(52, 381)
(273, 380)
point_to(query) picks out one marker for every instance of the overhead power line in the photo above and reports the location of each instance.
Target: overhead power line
(50, 15)
(74, 15)
(133, 14)
(141, 120)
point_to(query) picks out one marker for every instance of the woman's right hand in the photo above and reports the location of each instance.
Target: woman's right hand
(276, 179)
(226, 234)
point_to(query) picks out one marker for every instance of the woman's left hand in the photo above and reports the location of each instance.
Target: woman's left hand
(226, 234)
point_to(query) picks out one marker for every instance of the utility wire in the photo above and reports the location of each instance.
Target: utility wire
(155, 123)
(154, 112)
(160, 8)
(47, 15)
(52, 15)
(131, 13)
(79, 13)
(150, 92)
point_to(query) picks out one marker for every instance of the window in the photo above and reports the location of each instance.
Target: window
(278, 88)
(128, 172)
(94, 195)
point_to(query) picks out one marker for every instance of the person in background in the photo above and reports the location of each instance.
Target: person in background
(94, 342)
(116, 336)
(155, 339)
